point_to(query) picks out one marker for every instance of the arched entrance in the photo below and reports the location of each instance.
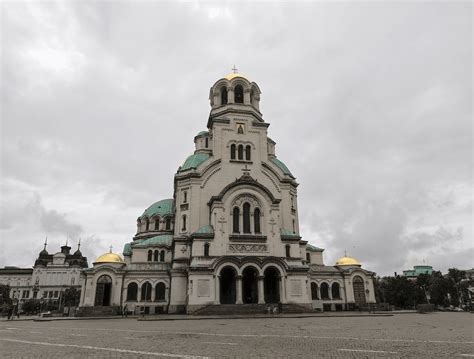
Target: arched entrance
(227, 285)
(103, 291)
(271, 285)
(359, 291)
(250, 285)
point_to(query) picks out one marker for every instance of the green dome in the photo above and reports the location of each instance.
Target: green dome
(202, 133)
(160, 208)
(282, 167)
(193, 161)
(162, 239)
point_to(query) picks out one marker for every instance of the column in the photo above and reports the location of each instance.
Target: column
(261, 296)
(230, 95)
(218, 289)
(282, 289)
(238, 284)
(247, 96)
(152, 294)
(318, 291)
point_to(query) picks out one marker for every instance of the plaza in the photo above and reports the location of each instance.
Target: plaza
(448, 335)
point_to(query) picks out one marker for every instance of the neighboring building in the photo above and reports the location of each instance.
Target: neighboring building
(417, 270)
(49, 277)
(230, 234)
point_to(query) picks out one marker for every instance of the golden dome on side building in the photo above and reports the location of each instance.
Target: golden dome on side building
(234, 75)
(109, 258)
(347, 261)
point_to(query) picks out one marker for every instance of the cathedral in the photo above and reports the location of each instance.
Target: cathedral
(229, 236)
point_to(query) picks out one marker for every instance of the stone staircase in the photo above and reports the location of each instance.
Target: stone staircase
(97, 311)
(248, 309)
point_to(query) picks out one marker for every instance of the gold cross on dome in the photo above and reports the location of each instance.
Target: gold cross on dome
(110, 248)
(234, 69)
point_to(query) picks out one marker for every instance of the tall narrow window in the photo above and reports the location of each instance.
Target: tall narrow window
(314, 291)
(160, 291)
(223, 95)
(232, 152)
(287, 251)
(246, 215)
(184, 222)
(241, 152)
(206, 250)
(185, 197)
(207, 142)
(162, 256)
(168, 224)
(247, 152)
(146, 291)
(147, 225)
(239, 94)
(132, 290)
(235, 220)
(294, 227)
(150, 255)
(155, 256)
(157, 223)
(256, 220)
(308, 257)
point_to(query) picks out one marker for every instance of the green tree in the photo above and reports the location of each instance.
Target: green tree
(5, 299)
(31, 306)
(402, 292)
(71, 297)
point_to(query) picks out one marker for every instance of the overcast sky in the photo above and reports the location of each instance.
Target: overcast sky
(370, 105)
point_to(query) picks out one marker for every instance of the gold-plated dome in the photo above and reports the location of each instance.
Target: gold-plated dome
(347, 261)
(109, 258)
(234, 75)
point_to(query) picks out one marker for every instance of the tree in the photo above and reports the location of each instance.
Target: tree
(5, 299)
(402, 292)
(31, 306)
(72, 297)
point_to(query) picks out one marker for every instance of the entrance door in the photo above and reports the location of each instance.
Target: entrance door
(103, 291)
(227, 285)
(359, 291)
(250, 285)
(272, 285)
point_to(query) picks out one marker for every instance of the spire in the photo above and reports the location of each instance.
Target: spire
(110, 249)
(67, 239)
(45, 243)
(345, 253)
(234, 69)
(79, 244)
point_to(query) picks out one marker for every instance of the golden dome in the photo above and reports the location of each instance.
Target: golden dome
(109, 258)
(234, 75)
(347, 261)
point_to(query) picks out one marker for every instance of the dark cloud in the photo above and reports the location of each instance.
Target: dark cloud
(370, 106)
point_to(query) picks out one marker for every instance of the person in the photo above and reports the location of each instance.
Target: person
(10, 312)
(16, 311)
(125, 311)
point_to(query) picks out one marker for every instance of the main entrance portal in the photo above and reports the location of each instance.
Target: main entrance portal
(272, 285)
(103, 290)
(250, 285)
(227, 285)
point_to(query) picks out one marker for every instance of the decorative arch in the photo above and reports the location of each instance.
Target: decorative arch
(314, 291)
(132, 291)
(336, 290)
(160, 292)
(324, 290)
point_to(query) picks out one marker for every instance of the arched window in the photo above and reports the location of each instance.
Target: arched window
(146, 291)
(335, 291)
(247, 152)
(132, 290)
(241, 152)
(207, 142)
(147, 225)
(162, 256)
(314, 291)
(157, 223)
(246, 215)
(235, 220)
(168, 224)
(139, 225)
(206, 250)
(223, 95)
(288, 251)
(150, 255)
(324, 291)
(256, 220)
(239, 94)
(160, 291)
(185, 196)
(308, 257)
(155, 256)
(232, 152)
(183, 228)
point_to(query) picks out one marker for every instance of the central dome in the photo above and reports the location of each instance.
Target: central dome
(161, 208)
(347, 261)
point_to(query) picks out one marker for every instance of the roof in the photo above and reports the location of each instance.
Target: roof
(109, 258)
(162, 239)
(282, 167)
(160, 208)
(193, 161)
(347, 261)
(15, 270)
(206, 231)
(312, 248)
(202, 133)
(323, 268)
(234, 75)
(127, 249)
(287, 233)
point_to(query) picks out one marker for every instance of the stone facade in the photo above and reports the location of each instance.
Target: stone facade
(230, 234)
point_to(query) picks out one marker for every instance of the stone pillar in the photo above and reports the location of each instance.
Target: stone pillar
(318, 291)
(139, 293)
(283, 289)
(238, 284)
(152, 294)
(247, 96)
(261, 295)
(330, 292)
(230, 95)
(218, 290)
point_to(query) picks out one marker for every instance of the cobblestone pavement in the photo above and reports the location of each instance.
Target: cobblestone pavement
(449, 335)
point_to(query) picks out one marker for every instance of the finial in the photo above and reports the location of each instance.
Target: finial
(79, 244)
(110, 249)
(45, 242)
(345, 253)
(234, 69)
(67, 239)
